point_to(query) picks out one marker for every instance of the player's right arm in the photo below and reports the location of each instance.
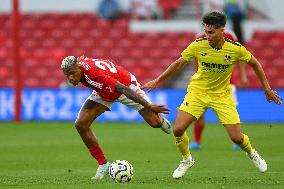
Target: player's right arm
(186, 56)
(129, 93)
(174, 68)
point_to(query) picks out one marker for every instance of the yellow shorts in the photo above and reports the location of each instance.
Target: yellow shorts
(222, 104)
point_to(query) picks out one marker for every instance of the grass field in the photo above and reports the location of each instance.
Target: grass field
(52, 155)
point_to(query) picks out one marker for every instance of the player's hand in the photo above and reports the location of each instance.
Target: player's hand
(159, 109)
(272, 95)
(151, 85)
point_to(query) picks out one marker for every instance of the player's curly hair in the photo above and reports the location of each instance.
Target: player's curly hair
(68, 62)
(214, 18)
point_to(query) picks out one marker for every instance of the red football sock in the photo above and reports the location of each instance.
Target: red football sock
(198, 129)
(98, 154)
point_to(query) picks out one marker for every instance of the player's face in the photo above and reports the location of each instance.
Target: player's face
(214, 35)
(74, 74)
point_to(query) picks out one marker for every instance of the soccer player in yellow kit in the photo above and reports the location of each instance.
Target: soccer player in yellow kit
(210, 88)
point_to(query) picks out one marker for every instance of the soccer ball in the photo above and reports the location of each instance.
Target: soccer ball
(121, 171)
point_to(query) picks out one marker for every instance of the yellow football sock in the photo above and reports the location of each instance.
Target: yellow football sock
(182, 145)
(246, 145)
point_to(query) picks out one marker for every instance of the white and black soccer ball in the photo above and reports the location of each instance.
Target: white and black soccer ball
(121, 171)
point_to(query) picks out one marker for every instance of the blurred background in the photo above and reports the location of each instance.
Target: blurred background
(144, 36)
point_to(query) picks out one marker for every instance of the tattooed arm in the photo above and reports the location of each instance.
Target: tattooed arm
(129, 93)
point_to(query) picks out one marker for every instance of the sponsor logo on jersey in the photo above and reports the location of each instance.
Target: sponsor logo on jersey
(207, 66)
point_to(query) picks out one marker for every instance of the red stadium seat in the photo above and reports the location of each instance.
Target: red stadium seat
(4, 72)
(5, 53)
(279, 83)
(261, 35)
(33, 82)
(168, 6)
(7, 82)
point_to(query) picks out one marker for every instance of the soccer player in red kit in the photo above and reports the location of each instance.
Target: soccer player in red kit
(110, 83)
(200, 123)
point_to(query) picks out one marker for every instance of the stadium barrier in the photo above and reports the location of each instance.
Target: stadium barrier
(64, 104)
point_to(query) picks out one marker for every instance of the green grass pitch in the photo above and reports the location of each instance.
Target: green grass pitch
(52, 155)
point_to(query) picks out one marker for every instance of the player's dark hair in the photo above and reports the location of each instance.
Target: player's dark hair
(214, 18)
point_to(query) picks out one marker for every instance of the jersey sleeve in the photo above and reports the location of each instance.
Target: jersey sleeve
(245, 55)
(189, 53)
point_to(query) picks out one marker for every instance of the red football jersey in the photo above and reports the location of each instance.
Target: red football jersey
(102, 76)
(230, 35)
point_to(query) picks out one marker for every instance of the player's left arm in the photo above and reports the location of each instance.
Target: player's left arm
(270, 94)
(129, 93)
(243, 74)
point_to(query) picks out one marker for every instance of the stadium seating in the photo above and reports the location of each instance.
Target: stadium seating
(268, 47)
(168, 6)
(47, 38)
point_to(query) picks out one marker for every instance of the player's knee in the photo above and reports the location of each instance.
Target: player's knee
(81, 125)
(178, 131)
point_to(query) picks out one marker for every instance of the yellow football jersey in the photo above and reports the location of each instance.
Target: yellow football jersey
(215, 66)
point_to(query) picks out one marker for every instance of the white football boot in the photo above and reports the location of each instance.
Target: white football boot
(258, 161)
(166, 126)
(101, 171)
(184, 165)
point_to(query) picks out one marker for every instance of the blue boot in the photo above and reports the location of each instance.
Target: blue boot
(194, 146)
(236, 147)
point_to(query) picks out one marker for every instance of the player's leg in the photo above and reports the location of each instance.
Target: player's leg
(197, 131)
(234, 96)
(88, 113)
(183, 120)
(153, 119)
(242, 140)
(192, 107)
(226, 111)
(156, 120)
